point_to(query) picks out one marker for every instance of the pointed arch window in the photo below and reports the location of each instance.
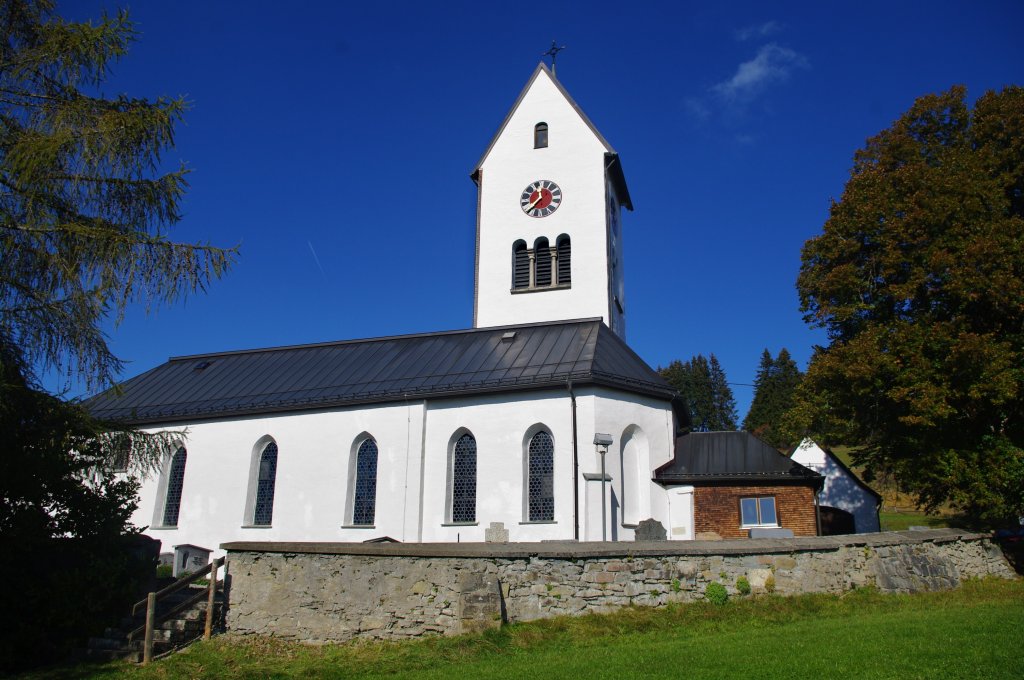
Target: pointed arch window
(541, 482)
(175, 484)
(463, 479)
(364, 501)
(563, 248)
(542, 256)
(266, 480)
(540, 136)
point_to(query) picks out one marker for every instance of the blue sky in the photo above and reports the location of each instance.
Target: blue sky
(333, 141)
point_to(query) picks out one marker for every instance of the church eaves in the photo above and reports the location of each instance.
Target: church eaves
(378, 370)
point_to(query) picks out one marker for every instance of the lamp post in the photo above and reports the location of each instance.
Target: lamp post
(602, 442)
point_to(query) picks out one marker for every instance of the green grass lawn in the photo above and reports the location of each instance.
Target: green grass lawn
(974, 632)
(899, 521)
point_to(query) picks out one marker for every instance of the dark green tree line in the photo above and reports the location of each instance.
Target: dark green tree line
(702, 384)
(774, 392)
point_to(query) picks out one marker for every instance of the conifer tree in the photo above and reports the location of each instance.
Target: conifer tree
(85, 206)
(703, 387)
(85, 210)
(774, 393)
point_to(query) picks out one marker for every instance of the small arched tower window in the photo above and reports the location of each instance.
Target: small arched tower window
(542, 255)
(540, 136)
(564, 250)
(463, 476)
(175, 484)
(541, 482)
(263, 510)
(364, 503)
(520, 266)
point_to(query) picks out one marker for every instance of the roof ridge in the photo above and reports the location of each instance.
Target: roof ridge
(381, 338)
(542, 68)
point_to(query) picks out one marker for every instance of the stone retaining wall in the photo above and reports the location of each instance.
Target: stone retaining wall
(338, 591)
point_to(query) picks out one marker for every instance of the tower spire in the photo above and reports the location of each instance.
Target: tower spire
(553, 53)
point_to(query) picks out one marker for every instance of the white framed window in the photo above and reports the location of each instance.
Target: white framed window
(172, 483)
(175, 485)
(363, 483)
(462, 480)
(259, 501)
(540, 478)
(758, 511)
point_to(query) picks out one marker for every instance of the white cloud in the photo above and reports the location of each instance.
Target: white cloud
(773, 64)
(761, 31)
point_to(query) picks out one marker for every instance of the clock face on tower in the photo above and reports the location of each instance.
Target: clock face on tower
(541, 198)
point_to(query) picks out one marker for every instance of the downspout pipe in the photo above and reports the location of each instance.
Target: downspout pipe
(817, 508)
(575, 466)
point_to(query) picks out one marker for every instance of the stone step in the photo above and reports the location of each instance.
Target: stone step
(105, 643)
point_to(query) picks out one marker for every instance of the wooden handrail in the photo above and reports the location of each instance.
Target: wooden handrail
(180, 583)
(152, 620)
(157, 620)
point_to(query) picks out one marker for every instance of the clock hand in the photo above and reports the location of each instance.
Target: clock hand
(540, 195)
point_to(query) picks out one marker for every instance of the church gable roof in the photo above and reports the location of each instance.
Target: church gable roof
(541, 69)
(612, 162)
(346, 373)
(717, 457)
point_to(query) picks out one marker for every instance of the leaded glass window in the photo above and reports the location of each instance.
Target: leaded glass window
(541, 489)
(175, 483)
(365, 502)
(264, 509)
(464, 479)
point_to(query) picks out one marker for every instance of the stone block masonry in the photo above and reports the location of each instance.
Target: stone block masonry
(320, 592)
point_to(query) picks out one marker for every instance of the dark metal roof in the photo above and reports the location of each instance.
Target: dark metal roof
(730, 457)
(443, 364)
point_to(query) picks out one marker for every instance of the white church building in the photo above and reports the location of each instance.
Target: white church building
(434, 436)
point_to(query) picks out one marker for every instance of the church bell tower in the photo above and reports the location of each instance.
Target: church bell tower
(550, 196)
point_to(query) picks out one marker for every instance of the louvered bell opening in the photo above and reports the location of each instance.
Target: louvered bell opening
(543, 258)
(564, 261)
(521, 267)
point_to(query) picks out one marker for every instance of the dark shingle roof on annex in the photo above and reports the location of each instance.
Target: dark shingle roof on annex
(376, 370)
(730, 457)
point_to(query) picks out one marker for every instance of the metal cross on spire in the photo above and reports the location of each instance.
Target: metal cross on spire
(553, 53)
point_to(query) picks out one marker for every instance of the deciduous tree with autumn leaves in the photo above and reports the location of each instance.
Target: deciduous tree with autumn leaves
(918, 278)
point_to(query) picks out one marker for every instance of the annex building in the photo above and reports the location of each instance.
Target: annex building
(433, 437)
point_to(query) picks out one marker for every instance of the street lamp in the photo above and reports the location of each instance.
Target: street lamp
(602, 442)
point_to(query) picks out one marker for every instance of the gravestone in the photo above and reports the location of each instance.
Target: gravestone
(650, 530)
(496, 533)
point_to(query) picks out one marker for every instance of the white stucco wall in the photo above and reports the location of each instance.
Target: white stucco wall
(573, 159)
(841, 490)
(311, 499)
